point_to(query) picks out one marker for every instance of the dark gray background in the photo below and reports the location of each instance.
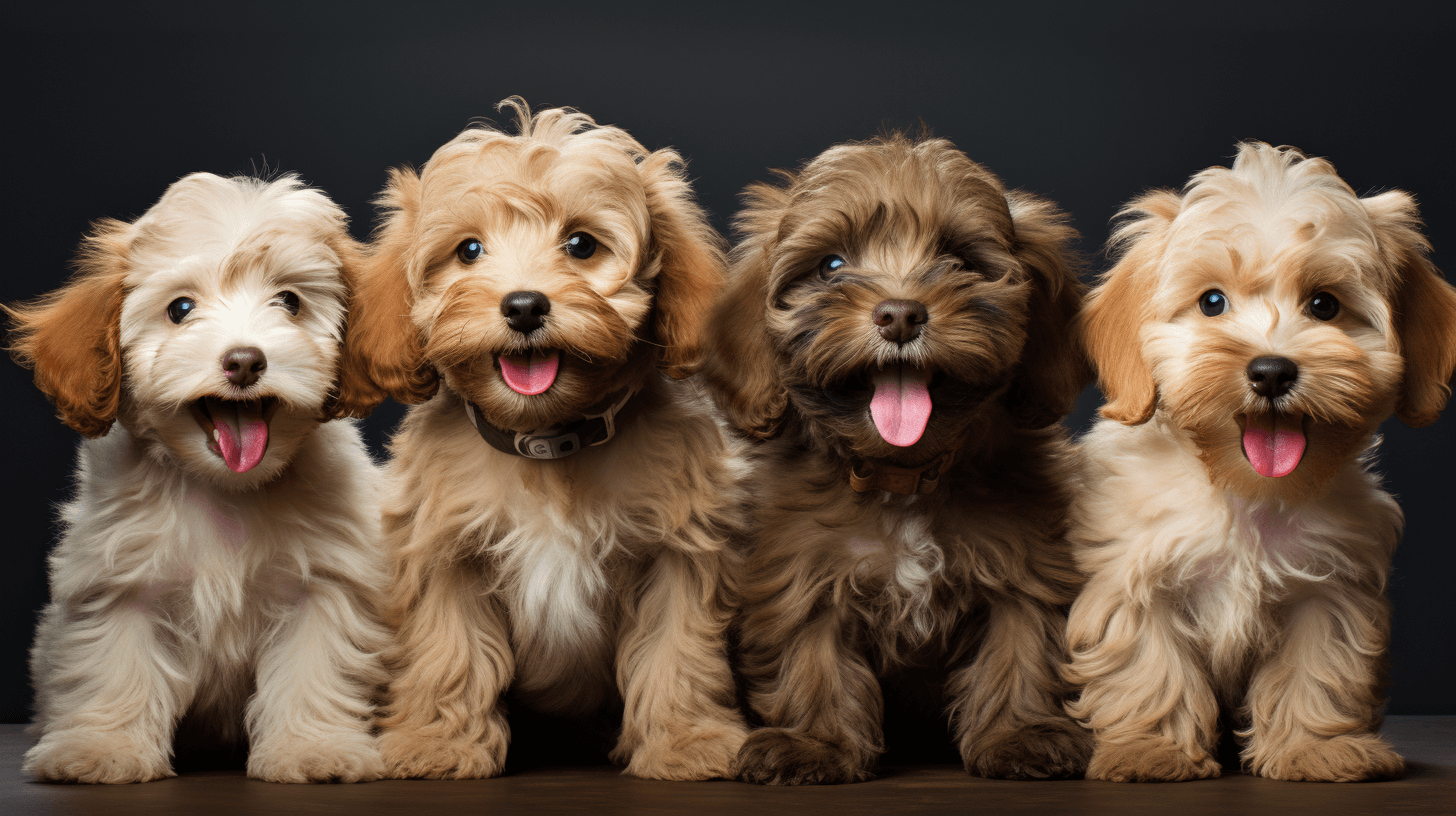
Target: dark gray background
(105, 108)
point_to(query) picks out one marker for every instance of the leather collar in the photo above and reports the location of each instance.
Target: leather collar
(595, 427)
(876, 474)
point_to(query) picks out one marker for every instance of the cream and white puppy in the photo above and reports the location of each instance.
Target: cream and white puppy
(220, 555)
(1256, 331)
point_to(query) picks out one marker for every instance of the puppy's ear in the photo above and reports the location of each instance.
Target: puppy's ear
(354, 393)
(1053, 368)
(72, 336)
(382, 354)
(740, 364)
(1425, 309)
(690, 252)
(1116, 310)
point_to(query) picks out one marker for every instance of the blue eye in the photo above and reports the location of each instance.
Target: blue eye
(1213, 303)
(180, 308)
(830, 266)
(469, 250)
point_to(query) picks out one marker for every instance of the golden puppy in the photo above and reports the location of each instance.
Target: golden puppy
(558, 513)
(899, 329)
(1254, 334)
(220, 557)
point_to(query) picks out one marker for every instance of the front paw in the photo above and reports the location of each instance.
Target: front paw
(98, 757)
(417, 754)
(1052, 750)
(350, 756)
(700, 753)
(1345, 758)
(778, 756)
(1150, 758)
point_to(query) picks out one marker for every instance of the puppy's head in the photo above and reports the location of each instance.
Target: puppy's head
(1275, 316)
(890, 292)
(210, 326)
(536, 272)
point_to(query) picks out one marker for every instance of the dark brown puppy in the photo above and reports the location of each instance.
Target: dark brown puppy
(897, 330)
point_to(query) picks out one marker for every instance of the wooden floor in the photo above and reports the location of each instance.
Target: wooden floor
(1428, 743)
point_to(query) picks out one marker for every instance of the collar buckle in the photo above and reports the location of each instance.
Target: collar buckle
(867, 474)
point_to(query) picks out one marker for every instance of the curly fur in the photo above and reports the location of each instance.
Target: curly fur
(576, 581)
(246, 600)
(1212, 588)
(841, 586)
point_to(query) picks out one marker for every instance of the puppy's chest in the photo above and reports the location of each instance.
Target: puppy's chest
(1253, 561)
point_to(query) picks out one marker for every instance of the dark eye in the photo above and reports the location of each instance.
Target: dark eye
(1213, 303)
(581, 246)
(180, 308)
(469, 250)
(830, 266)
(287, 300)
(1323, 306)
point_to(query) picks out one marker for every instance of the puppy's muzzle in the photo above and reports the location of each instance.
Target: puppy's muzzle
(1272, 377)
(524, 311)
(900, 320)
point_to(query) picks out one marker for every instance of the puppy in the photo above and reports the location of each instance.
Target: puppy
(1255, 332)
(898, 330)
(220, 555)
(557, 513)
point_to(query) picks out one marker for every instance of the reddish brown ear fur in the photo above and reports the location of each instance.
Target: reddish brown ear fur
(740, 364)
(1425, 309)
(72, 336)
(1114, 312)
(691, 254)
(1053, 369)
(382, 354)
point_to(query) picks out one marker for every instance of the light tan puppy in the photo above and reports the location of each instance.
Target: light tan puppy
(558, 512)
(1255, 332)
(220, 556)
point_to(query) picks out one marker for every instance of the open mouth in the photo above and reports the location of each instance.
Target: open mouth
(532, 373)
(237, 430)
(900, 407)
(1274, 441)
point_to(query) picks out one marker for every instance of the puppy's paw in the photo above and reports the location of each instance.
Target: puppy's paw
(413, 754)
(1345, 758)
(699, 753)
(1150, 759)
(98, 757)
(348, 756)
(778, 756)
(1052, 750)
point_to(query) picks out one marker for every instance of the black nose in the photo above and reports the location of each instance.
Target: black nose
(243, 366)
(900, 320)
(1272, 376)
(523, 310)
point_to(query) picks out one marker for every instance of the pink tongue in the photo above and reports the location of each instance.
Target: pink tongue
(530, 374)
(1273, 454)
(242, 434)
(901, 405)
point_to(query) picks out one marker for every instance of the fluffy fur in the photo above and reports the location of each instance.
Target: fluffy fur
(179, 586)
(842, 586)
(1215, 592)
(574, 580)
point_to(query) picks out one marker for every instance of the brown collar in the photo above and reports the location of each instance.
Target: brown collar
(870, 474)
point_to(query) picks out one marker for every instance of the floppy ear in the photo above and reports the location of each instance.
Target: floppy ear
(72, 336)
(740, 364)
(1425, 309)
(382, 354)
(1114, 313)
(690, 252)
(1053, 369)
